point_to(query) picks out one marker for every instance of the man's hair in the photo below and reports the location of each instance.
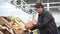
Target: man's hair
(38, 5)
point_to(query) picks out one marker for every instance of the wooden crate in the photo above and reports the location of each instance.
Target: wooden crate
(6, 22)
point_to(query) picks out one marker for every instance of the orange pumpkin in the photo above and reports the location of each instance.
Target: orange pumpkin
(29, 26)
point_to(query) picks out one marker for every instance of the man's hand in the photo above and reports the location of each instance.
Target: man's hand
(30, 25)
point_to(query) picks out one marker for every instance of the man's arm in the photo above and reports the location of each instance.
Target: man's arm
(45, 21)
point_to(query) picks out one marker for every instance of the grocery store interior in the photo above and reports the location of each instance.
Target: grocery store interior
(14, 14)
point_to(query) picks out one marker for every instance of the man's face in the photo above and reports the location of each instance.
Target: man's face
(39, 10)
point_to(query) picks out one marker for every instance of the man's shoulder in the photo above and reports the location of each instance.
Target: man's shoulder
(46, 13)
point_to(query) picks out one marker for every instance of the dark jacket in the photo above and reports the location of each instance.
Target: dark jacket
(46, 23)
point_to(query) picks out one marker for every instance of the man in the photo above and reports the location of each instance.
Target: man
(46, 23)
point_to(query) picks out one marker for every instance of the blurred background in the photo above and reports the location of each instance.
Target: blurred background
(52, 6)
(24, 9)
